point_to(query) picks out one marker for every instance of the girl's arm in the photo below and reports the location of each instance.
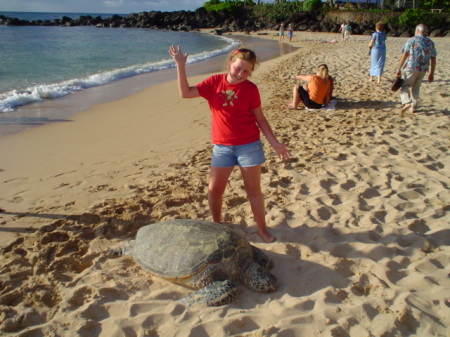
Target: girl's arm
(305, 78)
(280, 149)
(185, 90)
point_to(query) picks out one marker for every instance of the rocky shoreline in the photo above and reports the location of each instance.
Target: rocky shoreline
(363, 23)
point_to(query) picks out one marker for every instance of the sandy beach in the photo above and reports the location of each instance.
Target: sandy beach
(360, 211)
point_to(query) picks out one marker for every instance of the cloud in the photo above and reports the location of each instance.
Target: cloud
(146, 5)
(113, 3)
(99, 6)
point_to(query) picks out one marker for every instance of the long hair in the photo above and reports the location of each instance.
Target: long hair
(323, 72)
(243, 54)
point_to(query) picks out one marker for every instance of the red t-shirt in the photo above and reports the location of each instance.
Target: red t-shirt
(233, 121)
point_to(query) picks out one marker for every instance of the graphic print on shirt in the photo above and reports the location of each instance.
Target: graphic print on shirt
(228, 96)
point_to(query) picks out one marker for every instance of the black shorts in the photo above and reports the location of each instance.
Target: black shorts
(310, 104)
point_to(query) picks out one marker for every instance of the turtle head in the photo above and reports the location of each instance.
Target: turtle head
(259, 279)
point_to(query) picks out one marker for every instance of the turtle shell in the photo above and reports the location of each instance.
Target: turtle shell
(180, 249)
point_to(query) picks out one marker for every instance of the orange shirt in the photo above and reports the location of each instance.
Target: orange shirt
(317, 89)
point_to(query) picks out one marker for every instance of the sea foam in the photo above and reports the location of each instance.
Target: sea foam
(14, 98)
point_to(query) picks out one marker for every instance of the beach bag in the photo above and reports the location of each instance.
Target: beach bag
(396, 84)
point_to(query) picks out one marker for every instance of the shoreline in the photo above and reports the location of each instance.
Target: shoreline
(57, 110)
(360, 212)
(72, 139)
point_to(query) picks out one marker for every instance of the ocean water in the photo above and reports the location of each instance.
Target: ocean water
(41, 62)
(41, 68)
(34, 16)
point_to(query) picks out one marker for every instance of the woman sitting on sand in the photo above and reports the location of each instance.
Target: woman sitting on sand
(316, 93)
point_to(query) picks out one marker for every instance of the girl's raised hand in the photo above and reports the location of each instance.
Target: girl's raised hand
(178, 55)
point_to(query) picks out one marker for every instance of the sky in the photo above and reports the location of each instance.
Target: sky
(99, 6)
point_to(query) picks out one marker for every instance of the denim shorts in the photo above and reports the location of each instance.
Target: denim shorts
(246, 155)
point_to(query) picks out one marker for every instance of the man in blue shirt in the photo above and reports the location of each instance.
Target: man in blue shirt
(418, 56)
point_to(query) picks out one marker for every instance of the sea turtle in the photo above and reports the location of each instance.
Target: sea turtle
(202, 255)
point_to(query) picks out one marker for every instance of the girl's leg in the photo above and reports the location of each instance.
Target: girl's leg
(295, 98)
(217, 184)
(252, 184)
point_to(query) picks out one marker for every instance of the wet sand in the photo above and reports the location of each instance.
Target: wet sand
(62, 109)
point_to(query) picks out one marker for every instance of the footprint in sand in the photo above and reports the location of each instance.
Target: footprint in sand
(81, 295)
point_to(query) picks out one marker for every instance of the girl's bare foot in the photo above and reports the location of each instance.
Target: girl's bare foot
(266, 237)
(290, 106)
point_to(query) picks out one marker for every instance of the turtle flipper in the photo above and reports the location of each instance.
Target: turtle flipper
(125, 249)
(259, 279)
(215, 294)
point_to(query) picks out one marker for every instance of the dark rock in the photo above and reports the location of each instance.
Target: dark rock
(436, 33)
(363, 23)
(314, 28)
(302, 28)
(406, 34)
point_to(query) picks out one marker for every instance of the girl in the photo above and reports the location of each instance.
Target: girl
(290, 32)
(237, 119)
(342, 30)
(316, 93)
(281, 32)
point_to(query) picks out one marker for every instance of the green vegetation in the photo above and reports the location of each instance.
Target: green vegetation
(217, 6)
(429, 4)
(412, 17)
(277, 12)
(283, 10)
(312, 5)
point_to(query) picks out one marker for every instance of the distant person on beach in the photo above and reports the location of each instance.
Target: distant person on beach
(281, 33)
(418, 56)
(290, 32)
(316, 93)
(377, 50)
(347, 31)
(342, 30)
(237, 119)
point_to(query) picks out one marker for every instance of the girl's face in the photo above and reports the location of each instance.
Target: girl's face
(240, 70)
